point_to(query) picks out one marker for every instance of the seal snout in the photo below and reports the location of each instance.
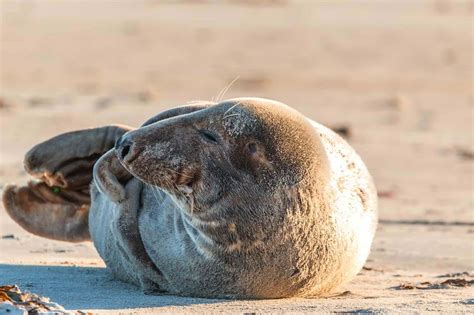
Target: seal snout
(125, 149)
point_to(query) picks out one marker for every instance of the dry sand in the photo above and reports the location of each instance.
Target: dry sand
(398, 74)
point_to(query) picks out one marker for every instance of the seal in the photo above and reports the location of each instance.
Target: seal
(246, 198)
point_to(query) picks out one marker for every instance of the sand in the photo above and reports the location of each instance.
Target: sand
(398, 75)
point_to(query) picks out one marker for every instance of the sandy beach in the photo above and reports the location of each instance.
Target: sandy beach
(396, 76)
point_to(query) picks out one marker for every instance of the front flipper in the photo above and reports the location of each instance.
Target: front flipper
(131, 241)
(114, 182)
(110, 177)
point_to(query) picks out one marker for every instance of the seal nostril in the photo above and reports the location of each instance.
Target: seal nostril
(125, 151)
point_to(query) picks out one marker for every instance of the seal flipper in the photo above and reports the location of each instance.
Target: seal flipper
(49, 212)
(57, 205)
(67, 160)
(110, 177)
(118, 186)
(130, 240)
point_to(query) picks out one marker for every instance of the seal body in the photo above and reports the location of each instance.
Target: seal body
(246, 198)
(269, 205)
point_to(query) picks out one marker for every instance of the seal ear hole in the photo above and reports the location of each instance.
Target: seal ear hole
(257, 157)
(252, 147)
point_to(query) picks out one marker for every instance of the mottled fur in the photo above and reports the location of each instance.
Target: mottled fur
(245, 199)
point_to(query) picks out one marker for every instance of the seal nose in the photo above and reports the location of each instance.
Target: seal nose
(123, 147)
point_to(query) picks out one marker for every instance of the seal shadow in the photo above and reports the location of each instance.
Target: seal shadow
(80, 288)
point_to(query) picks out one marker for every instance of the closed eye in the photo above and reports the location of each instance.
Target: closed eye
(208, 136)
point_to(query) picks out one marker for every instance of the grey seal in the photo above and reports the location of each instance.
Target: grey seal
(246, 198)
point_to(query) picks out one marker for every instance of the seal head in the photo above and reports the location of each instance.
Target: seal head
(242, 147)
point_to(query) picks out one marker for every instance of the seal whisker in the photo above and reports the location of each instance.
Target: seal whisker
(164, 181)
(225, 116)
(154, 190)
(232, 107)
(225, 89)
(182, 174)
(191, 203)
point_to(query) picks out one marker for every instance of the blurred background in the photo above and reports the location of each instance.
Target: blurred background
(396, 77)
